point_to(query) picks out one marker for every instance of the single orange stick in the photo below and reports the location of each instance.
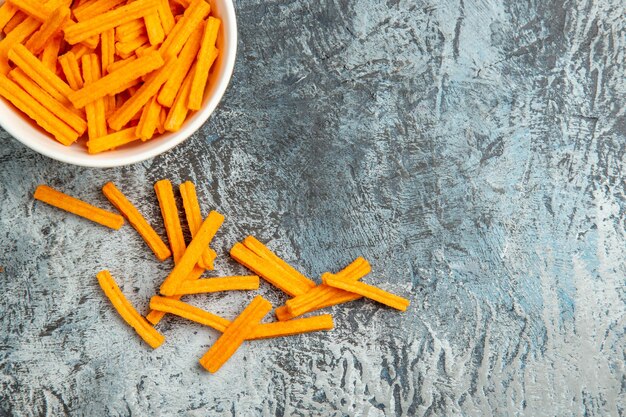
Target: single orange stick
(132, 27)
(112, 140)
(145, 49)
(62, 111)
(39, 73)
(198, 10)
(78, 207)
(156, 34)
(206, 57)
(185, 60)
(178, 112)
(234, 335)
(292, 327)
(16, 37)
(116, 81)
(119, 64)
(107, 54)
(191, 256)
(148, 90)
(194, 220)
(269, 270)
(149, 119)
(50, 27)
(263, 251)
(33, 8)
(161, 124)
(135, 218)
(131, 36)
(80, 49)
(42, 116)
(69, 65)
(148, 333)
(169, 212)
(324, 296)
(85, 29)
(50, 54)
(8, 11)
(201, 286)
(15, 20)
(178, 308)
(93, 8)
(367, 291)
(166, 17)
(96, 119)
(127, 49)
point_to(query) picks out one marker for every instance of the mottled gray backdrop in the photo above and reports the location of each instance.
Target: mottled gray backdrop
(473, 151)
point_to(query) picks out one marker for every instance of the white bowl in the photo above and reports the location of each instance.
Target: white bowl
(27, 132)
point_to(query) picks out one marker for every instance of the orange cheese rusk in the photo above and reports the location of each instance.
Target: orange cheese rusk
(33, 8)
(130, 28)
(96, 118)
(91, 43)
(7, 11)
(169, 212)
(148, 90)
(15, 20)
(80, 208)
(156, 34)
(107, 54)
(69, 65)
(294, 275)
(39, 73)
(234, 283)
(189, 312)
(367, 291)
(148, 333)
(155, 316)
(116, 81)
(130, 36)
(198, 10)
(194, 220)
(85, 29)
(80, 49)
(127, 49)
(161, 125)
(206, 57)
(234, 335)
(92, 8)
(112, 141)
(15, 37)
(49, 28)
(135, 218)
(149, 119)
(59, 109)
(178, 112)
(42, 116)
(191, 256)
(166, 16)
(119, 64)
(185, 60)
(50, 54)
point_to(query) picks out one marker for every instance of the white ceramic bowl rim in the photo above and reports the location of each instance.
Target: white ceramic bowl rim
(23, 131)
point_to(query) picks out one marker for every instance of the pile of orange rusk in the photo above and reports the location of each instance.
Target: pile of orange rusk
(119, 70)
(192, 260)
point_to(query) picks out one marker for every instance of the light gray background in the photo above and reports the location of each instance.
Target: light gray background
(471, 150)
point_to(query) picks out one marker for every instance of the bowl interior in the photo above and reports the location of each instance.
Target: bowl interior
(27, 132)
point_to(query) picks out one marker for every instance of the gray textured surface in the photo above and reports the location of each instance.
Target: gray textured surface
(471, 150)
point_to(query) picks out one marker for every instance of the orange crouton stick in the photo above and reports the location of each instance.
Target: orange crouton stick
(96, 118)
(207, 285)
(112, 140)
(15, 37)
(78, 207)
(194, 220)
(69, 65)
(234, 335)
(80, 49)
(130, 30)
(367, 291)
(194, 15)
(178, 112)
(128, 312)
(178, 308)
(7, 11)
(206, 56)
(63, 112)
(136, 220)
(42, 116)
(185, 60)
(127, 49)
(119, 64)
(156, 35)
(15, 20)
(107, 54)
(149, 119)
(166, 17)
(92, 8)
(85, 29)
(128, 36)
(39, 73)
(324, 296)
(262, 251)
(192, 254)
(33, 8)
(117, 81)
(49, 28)
(169, 212)
(50, 54)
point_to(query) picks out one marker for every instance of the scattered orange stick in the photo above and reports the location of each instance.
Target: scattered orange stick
(206, 57)
(155, 316)
(207, 285)
(192, 254)
(85, 29)
(135, 218)
(178, 308)
(194, 15)
(194, 220)
(293, 327)
(117, 81)
(169, 212)
(42, 116)
(367, 291)
(128, 312)
(49, 28)
(93, 8)
(156, 34)
(50, 54)
(178, 112)
(234, 335)
(80, 208)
